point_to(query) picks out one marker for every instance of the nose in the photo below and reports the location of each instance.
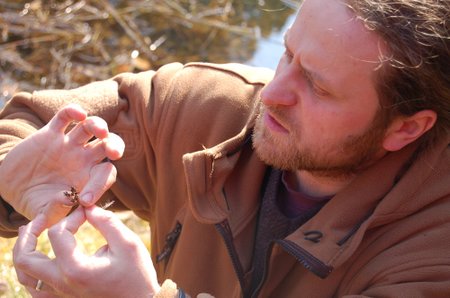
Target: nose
(280, 90)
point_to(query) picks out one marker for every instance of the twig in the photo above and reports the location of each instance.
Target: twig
(133, 34)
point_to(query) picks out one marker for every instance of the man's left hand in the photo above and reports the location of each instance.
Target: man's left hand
(121, 268)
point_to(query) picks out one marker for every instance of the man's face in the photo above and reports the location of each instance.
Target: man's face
(321, 111)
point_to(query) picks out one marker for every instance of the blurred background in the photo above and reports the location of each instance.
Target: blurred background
(64, 44)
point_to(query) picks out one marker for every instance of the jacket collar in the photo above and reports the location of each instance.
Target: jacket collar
(206, 172)
(373, 198)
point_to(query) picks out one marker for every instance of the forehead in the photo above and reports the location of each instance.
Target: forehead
(331, 29)
(328, 39)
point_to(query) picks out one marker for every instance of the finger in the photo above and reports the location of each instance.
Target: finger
(63, 241)
(114, 146)
(31, 264)
(66, 116)
(85, 130)
(28, 235)
(44, 291)
(94, 151)
(52, 272)
(102, 176)
(111, 147)
(110, 226)
(39, 269)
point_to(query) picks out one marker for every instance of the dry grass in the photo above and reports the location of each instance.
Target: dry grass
(63, 44)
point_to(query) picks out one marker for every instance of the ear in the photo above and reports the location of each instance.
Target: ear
(405, 130)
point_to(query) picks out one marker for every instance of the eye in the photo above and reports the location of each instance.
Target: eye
(288, 55)
(319, 91)
(314, 87)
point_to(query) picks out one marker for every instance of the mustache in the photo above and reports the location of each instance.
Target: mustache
(279, 114)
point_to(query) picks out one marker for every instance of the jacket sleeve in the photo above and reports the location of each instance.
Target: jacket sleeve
(123, 101)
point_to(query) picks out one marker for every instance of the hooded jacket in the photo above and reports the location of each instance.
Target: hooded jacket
(190, 170)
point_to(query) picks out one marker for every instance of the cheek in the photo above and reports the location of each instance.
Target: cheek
(322, 126)
(319, 118)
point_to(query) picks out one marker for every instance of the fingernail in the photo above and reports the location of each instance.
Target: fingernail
(87, 198)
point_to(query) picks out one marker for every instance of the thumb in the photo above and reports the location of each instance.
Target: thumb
(103, 175)
(111, 227)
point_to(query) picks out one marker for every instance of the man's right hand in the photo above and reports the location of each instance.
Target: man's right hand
(37, 172)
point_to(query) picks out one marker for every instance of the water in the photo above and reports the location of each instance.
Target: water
(270, 49)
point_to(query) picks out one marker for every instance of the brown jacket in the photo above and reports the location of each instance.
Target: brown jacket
(189, 169)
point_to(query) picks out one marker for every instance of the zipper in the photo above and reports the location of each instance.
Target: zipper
(171, 239)
(305, 258)
(254, 292)
(224, 229)
(310, 262)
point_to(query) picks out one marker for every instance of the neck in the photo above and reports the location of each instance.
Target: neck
(321, 185)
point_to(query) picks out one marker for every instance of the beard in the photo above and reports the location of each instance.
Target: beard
(355, 153)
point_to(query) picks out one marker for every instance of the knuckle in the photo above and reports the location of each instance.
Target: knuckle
(109, 217)
(54, 231)
(97, 121)
(21, 262)
(115, 137)
(111, 178)
(109, 174)
(113, 173)
(21, 277)
(97, 188)
(133, 243)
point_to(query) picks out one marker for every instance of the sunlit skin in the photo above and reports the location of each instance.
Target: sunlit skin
(320, 115)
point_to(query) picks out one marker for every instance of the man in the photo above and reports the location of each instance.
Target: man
(335, 183)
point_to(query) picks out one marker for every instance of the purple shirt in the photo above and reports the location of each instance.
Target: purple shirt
(294, 203)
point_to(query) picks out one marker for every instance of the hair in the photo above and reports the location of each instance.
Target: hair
(418, 73)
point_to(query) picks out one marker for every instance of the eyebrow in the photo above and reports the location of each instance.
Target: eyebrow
(308, 72)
